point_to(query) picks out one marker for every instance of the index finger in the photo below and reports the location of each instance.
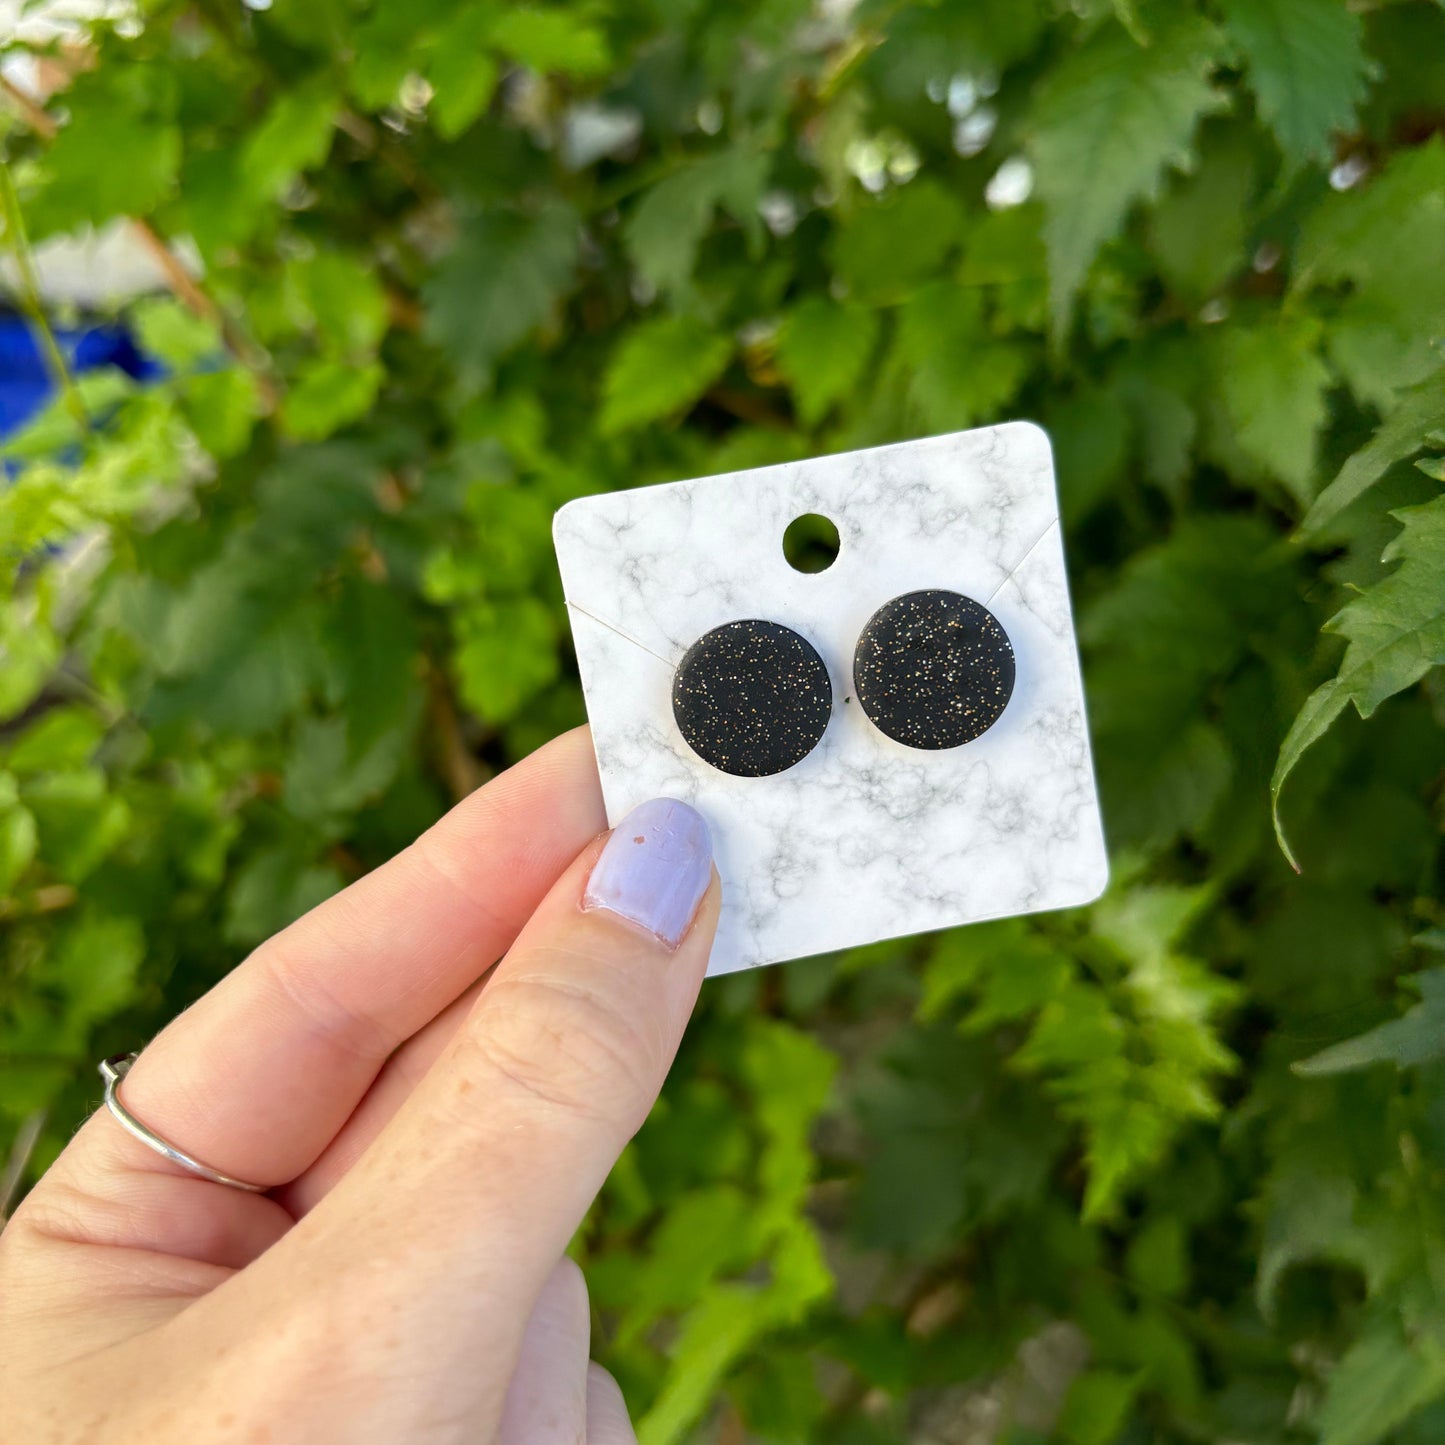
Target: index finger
(449, 1224)
(256, 1078)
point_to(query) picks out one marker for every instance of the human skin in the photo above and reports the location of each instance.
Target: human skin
(434, 1071)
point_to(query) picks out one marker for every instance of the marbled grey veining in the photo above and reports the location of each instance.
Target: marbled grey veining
(864, 838)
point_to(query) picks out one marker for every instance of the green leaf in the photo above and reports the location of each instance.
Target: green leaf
(1382, 1380)
(507, 656)
(958, 374)
(1308, 65)
(18, 839)
(327, 395)
(722, 1324)
(465, 79)
(551, 40)
(174, 334)
(932, 41)
(707, 1232)
(30, 651)
(343, 299)
(890, 247)
(272, 889)
(1166, 639)
(1014, 969)
(1158, 384)
(222, 408)
(1396, 633)
(1198, 230)
(96, 964)
(1188, 779)
(392, 40)
(954, 1139)
(1308, 1218)
(1313, 721)
(61, 739)
(1147, 921)
(1381, 350)
(1126, 12)
(1274, 384)
(1090, 433)
(1096, 1407)
(1106, 124)
(239, 650)
(1416, 1038)
(823, 348)
(79, 820)
(1005, 248)
(501, 282)
(323, 25)
(1405, 431)
(665, 230)
(295, 136)
(1397, 628)
(1158, 1257)
(1381, 236)
(662, 366)
(1133, 1061)
(374, 680)
(323, 781)
(789, 1074)
(117, 155)
(929, 42)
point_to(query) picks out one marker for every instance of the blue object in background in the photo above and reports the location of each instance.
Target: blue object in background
(25, 381)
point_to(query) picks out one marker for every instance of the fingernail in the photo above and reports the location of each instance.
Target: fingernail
(655, 868)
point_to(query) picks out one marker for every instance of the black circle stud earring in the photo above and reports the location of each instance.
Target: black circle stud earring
(933, 669)
(752, 698)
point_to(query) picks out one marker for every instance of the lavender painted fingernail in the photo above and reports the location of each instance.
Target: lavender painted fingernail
(655, 868)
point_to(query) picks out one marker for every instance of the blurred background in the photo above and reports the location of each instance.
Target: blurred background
(314, 312)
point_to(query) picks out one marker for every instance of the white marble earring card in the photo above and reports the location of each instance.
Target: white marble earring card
(873, 831)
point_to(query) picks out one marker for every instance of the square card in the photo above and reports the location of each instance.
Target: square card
(898, 742)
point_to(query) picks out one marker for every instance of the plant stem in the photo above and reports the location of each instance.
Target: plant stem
(30, 301)
(180, 282)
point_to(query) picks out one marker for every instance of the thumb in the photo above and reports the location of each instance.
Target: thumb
(455, 1216)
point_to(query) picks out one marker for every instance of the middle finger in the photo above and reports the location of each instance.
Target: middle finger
(259, 1075)
(403, 1072)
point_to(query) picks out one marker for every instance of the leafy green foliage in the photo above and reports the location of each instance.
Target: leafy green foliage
(1417, 1038)
(823, 349)
(1308, 68)
(1167, 1168)
(1273, 385)
(669, 222)
(500, 282)
(113, 112)
(1417, 417)
(1374, 247)
(1396, 635)
(1109, 120)
(1380, 1383)
(660, 368)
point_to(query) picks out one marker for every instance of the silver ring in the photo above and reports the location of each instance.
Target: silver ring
(113, 1070)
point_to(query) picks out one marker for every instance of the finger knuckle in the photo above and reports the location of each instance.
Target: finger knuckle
(569, 1044)
(160, 1217)
(302, 990)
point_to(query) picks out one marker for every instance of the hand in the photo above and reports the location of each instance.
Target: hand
(431, 1139)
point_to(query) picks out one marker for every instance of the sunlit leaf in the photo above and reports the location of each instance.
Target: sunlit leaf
(1107, 123)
